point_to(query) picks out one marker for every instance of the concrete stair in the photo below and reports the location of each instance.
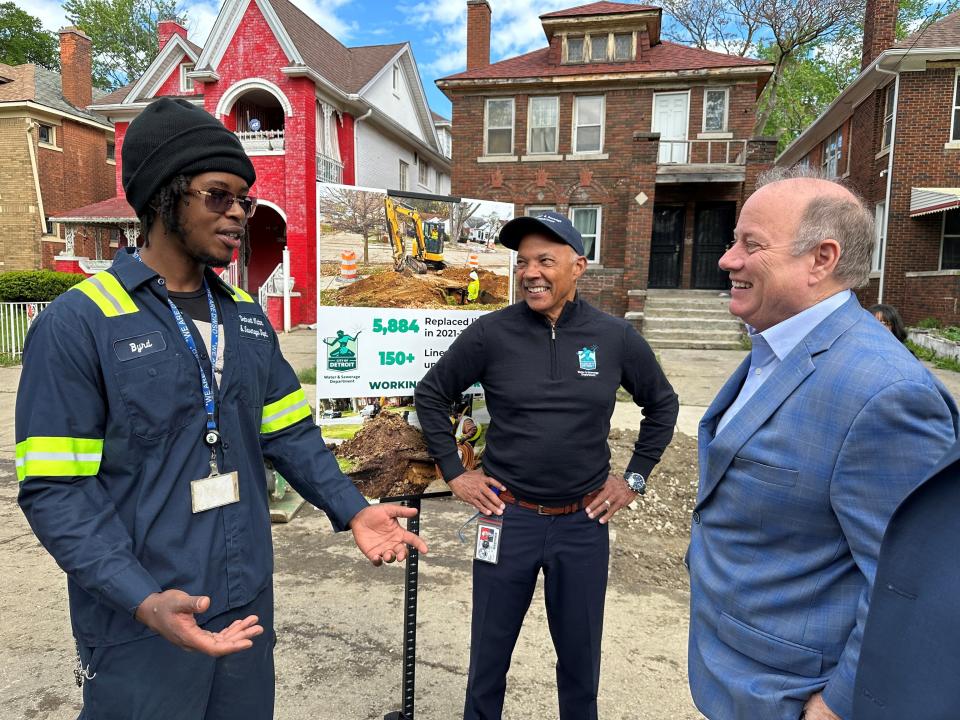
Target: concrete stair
(692, 319)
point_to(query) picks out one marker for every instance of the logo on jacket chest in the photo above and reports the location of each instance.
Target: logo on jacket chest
(139, 346)
(588, 361)
(252, 326)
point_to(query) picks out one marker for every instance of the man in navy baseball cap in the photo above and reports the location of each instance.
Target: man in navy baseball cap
(551, 222)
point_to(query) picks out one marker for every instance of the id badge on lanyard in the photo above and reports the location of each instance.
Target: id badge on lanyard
(217, 489)
(489, 535)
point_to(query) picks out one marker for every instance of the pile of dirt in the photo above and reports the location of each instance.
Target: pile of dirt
(409, 290)
(390, 458)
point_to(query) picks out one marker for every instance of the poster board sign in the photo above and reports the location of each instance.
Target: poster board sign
(365, 352)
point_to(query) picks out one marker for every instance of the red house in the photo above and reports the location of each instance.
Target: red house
(307, 109)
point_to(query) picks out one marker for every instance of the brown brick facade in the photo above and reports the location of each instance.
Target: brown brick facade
(19, 209)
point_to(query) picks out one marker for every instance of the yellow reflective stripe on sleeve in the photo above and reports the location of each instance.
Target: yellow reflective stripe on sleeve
(285, 412)
(58, 456)
(240, 295)
(108, 294)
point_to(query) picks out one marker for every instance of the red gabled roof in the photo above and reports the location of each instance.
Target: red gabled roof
(114, 209)
(599, 8)
(663, 57)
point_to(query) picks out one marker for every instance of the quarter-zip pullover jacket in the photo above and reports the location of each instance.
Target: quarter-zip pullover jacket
(550, 391)
(109, 427)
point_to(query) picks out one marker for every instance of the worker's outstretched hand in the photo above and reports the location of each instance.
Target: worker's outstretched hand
(475, 488)
(380, 536)
(171, 615)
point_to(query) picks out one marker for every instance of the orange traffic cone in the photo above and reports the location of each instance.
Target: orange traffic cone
(473, 261)
(348, 266)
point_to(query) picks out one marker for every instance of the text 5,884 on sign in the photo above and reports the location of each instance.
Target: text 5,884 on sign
(364, 352)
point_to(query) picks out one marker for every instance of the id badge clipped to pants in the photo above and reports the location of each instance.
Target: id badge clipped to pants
(489, 535)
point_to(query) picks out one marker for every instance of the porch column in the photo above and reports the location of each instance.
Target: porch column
(642, 181)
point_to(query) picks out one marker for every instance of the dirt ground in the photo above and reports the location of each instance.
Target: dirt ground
(431, 290)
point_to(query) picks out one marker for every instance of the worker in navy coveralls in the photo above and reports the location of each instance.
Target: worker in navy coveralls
(550, 369)
(150, 396)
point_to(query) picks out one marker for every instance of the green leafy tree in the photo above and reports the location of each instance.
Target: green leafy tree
(124, 35)
(23, 39)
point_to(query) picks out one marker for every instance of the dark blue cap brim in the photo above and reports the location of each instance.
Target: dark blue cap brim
(517, 229)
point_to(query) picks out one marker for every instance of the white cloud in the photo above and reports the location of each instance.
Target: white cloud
(49, 12)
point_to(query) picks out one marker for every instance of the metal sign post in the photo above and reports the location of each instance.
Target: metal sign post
(410, 584)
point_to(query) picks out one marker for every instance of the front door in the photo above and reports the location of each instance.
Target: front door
(665, 246)
(670, 119)
(712, 233)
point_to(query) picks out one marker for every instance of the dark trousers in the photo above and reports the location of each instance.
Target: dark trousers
(573, 552)
(153, 679)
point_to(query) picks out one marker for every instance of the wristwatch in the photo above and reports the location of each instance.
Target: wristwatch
(636, 482)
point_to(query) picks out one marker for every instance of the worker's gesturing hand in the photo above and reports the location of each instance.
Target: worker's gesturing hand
(474, 487)
(171, 615)
(614, 495)
(380, 536)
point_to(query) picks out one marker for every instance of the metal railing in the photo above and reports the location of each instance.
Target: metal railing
(261, 140)
(231, 273)
(15, 320)
(329, 170)
(702, 152)
(272, 285)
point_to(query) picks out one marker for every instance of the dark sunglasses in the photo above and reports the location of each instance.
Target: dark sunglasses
(220, 201)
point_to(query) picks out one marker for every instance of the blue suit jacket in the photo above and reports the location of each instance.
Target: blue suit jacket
(794, 496)
(910, 658)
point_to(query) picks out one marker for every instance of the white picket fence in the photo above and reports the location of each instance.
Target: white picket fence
(15, 320)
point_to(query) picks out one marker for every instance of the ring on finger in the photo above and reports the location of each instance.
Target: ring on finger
(608, 503)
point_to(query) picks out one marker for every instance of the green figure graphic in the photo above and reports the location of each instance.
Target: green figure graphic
(343, 351)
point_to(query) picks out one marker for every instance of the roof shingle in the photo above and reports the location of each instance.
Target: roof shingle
(115, 208)
(599, 8)
(943, 33)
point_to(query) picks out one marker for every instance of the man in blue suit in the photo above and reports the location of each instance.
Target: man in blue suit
(910, 659)
(804, 455)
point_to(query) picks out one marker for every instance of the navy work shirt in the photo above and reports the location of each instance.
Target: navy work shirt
(109, 427)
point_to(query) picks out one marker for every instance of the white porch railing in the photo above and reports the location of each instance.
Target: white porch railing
(231, 273)
(329, 170)
(702, 152)
(15, 320)
(261, 140)
(272, 285)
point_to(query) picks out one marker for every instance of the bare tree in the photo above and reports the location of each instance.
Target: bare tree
(353, 211)
(783, 29)
(461, 212)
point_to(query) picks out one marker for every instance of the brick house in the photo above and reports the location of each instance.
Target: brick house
(894, 135)
(56, 154)
(307, 109)
(646, 144)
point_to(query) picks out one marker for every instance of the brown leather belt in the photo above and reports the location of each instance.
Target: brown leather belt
(508, 497)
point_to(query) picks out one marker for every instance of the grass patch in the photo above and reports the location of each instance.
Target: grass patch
(745, 342)
(308, 376)
(944, 363)
(8, 360)
(341, 432)
(346, 464)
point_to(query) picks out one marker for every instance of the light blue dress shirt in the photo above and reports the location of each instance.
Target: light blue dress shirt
(772, 345)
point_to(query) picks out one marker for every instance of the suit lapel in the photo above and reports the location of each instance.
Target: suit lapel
(718, 451)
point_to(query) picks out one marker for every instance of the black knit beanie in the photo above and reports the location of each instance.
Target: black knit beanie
(174, 137)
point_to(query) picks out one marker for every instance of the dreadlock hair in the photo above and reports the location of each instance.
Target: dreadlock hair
(164, 206)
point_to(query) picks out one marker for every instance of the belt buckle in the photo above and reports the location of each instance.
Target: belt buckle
(541, 509)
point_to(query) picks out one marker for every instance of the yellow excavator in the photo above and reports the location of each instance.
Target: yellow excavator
(428, 238)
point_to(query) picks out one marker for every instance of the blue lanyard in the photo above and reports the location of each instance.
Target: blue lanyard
(212, 436)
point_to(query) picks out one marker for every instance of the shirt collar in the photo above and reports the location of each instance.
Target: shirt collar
(787, 334)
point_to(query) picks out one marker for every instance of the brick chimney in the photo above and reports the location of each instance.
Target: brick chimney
(76, 66)
(879, 29)
(166, 29)
(478, 34)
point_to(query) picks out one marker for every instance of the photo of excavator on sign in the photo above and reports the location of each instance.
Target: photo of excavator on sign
(427, 238)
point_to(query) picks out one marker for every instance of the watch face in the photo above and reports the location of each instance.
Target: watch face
(635, 482)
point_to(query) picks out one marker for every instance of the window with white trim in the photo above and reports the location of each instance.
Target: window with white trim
(888, 100)
(111, 150)
(955, 126)
(950, 245)
(879, 234)
(587, 221)
(423, 172)
(716, 103)
(404, 175)
(186, 83)
(588, 122)
(832, 152)
(543, 118)
(598, 47)
(575, 48)
(623, 46)
(46, 134)
(498, 121)
(534, 210)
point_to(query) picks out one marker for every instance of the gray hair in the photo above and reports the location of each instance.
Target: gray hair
(845, 220)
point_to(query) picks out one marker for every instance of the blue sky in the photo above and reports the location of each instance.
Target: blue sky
(436, 29)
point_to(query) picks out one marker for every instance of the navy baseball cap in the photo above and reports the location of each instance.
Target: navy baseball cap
(549, 223)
